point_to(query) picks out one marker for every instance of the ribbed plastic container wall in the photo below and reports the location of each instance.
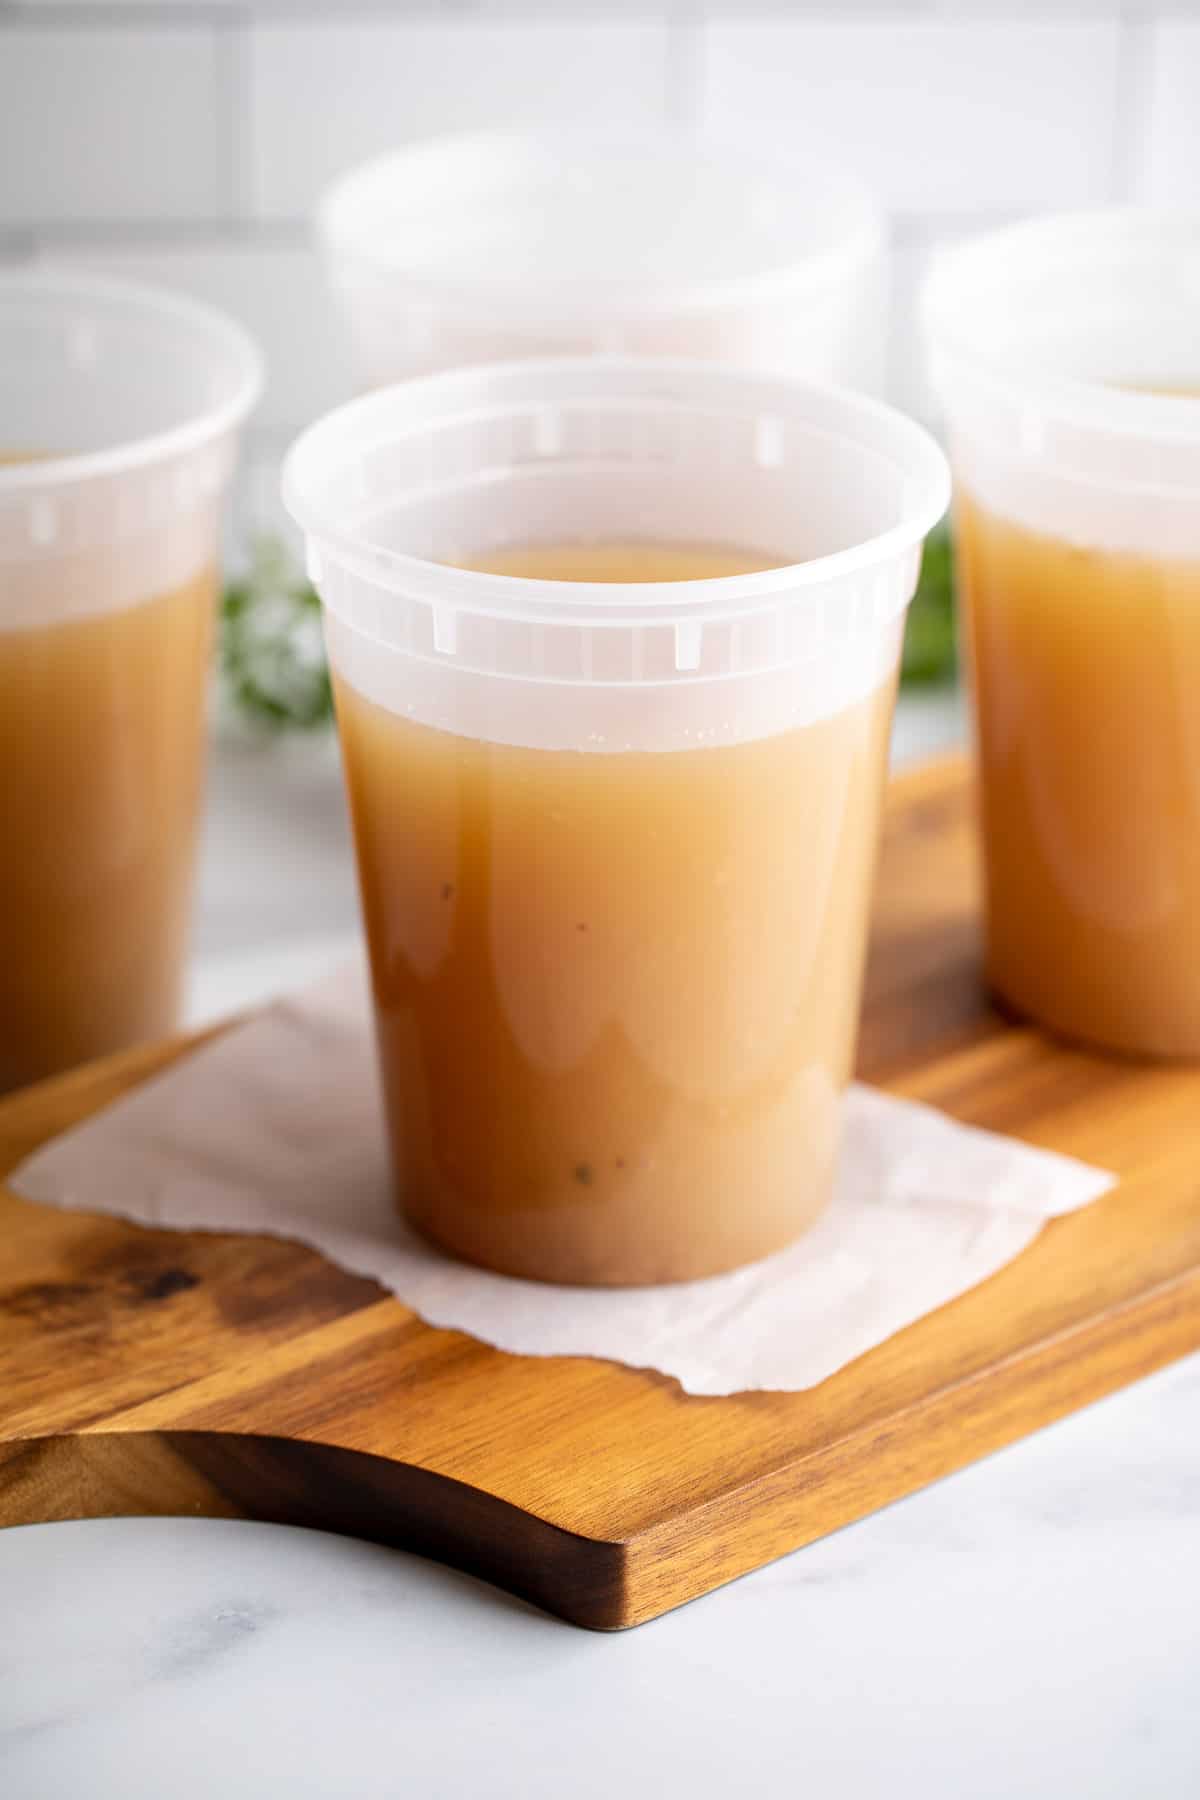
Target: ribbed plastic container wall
(467, 249)
(392, 486)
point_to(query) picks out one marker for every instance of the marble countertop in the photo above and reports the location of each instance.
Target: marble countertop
(1027, 1627)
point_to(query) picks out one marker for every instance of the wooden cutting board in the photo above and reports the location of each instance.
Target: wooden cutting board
(147, 1372)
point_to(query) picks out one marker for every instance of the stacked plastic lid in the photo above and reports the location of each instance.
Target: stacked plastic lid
(466, 249)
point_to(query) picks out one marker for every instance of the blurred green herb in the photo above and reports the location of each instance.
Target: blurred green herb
(272, 653)
(930, 640)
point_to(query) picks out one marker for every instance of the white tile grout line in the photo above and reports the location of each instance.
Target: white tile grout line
(57, 14)
(909, 228)
(683, 96)
(1131, 108)
(152, 13)
(230, 33)
(172, 234)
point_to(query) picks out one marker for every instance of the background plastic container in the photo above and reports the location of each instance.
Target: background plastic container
(465, 249)
(617, 896)
(1066, 352)
(119, 408)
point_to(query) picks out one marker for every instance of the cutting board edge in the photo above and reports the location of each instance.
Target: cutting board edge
(301, 1482)
(610, 1583)
(952, 1428)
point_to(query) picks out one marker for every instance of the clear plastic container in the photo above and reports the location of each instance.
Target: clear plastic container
(615, 841)
(120, 408)
(465, 249)
(1067, 356)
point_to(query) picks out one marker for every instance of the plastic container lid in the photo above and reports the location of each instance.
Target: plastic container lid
(121, 404)
(468, 249)
(1045, 338)
(593, 224)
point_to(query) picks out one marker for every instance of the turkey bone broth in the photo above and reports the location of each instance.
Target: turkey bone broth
(616, 990)
(1063, 351)
(1087, 669)
(101, 749)
(122, 406)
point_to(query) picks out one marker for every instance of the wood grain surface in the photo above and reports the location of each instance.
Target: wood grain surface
(148, 1372)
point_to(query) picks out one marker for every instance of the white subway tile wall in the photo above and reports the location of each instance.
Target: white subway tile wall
(1170, 163)
(277, 290)
(320, 98)
(184, 142)
(120, 123)
(957, 115)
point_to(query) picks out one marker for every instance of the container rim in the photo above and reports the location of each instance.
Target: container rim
(346, 201)
(244, 384)
(362, 423)
(1058, 242)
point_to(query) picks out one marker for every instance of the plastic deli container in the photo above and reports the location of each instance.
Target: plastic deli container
(464, 249)
(615, 840)
(1067, 355)
(120, 408)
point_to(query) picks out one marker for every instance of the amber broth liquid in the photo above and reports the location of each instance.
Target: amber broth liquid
(617, 993)
(101, 747)
(1087, 680)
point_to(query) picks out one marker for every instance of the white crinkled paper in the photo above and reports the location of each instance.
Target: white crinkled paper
(277, 1128)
